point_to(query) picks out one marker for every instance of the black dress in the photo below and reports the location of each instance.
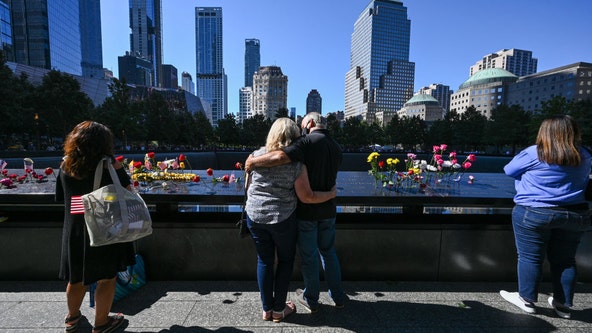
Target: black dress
(80, 261)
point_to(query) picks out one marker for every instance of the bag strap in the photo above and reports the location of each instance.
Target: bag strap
(247, 183)
(118, 188)
(99, 173)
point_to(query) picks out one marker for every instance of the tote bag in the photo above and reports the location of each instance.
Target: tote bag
(112, 213)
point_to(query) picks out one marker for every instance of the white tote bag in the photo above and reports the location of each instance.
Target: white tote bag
(112, 213)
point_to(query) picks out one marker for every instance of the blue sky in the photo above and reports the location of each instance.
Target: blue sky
(310, 39)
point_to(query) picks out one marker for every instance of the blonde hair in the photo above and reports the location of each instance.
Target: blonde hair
(558, 140)
(282, 132)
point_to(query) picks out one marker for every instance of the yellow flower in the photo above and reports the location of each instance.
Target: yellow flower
(372, 156)
(392, 161)
(182, 165)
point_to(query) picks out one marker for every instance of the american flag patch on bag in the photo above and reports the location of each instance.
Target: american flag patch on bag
(76, 205)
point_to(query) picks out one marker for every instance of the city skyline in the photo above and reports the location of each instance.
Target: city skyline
(310, 41)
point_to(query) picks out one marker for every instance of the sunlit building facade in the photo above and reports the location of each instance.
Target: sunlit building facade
(270, 91)
(515, 61)
(146, 34)
(210, 79)
(381, 77)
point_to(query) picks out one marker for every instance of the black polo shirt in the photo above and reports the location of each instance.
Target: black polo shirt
(322, 156)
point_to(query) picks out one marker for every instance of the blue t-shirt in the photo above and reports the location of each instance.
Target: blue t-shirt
(539, 184)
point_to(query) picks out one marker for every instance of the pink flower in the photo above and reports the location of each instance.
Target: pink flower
(466, 165)
(443, 147)
(452, 154)
(472, 157)
(162, 165)
(436, 149)
(440, 161)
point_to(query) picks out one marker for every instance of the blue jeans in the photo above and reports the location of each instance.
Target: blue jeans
(318, 238)
(554, 233)
(271, 240)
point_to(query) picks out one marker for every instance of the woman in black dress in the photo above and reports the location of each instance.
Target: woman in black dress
(81, 264)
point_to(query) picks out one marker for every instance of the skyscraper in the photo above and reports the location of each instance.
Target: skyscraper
(210, 79)
(517, 62)
(187, 82)
(46, 33)
(146, 37)
(440, 92)
(252, 60)
(314, 102)
(91, 42)
(6, 32)
(270, 91)
(381, 77)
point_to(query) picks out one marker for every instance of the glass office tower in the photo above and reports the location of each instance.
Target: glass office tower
(146, 37)
(381, 77)
(210, 79)
(46, 33)
(6, 32)
(91, 41)
(252, 60)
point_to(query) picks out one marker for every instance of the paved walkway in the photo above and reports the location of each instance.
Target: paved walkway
(183, 307)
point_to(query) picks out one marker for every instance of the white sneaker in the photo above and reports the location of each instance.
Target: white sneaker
(515, 299)
(561, 310)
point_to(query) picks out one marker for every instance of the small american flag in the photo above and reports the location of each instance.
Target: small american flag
(3, 164)
(76, 205)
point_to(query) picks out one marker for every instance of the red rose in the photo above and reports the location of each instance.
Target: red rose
(181, 158)
(4, 172)
(48, 171)
(136, 183)
(225, 178)
(119, 158)
(138, 165)
(381, 164)
(210, 171)
(21, 178)
(13, 176)
(196, 179)
(150, 154)
(238, 166)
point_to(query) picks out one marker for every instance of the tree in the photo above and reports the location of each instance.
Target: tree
(16, 110)
(508, 126)
(60, 104)
(254, 131)
(413, 132)
(160, 120)
(333, 125)
(203, 131)
(353, 133)
(227, 131)
(469, 130)
(282, 113)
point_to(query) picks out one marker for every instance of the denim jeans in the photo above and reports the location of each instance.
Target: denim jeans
(318, 238)
(271, 240)
(550, 232)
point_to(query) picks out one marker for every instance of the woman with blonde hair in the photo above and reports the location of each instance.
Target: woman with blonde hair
(272, 196)
(81, 264)
(551, 213)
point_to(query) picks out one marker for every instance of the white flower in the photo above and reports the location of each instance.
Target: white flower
(446, 164)
(432, 168)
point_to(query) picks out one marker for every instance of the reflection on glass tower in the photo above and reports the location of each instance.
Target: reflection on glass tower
(46, 33)
(5, 32)
(381, 77)
(210, 79)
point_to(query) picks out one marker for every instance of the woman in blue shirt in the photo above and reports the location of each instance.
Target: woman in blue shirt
(551, 213)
